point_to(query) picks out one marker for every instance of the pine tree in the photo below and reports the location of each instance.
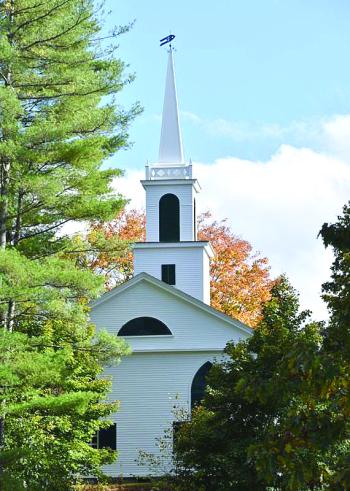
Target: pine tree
(59, 121)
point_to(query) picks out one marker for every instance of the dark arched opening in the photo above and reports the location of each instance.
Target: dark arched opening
(199, 384)
(144, 326)
(169, 218)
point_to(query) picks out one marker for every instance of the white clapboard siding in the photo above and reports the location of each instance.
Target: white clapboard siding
(192, 328)
(149, 385)
(159, 373)
(191, 261)
(185, 191)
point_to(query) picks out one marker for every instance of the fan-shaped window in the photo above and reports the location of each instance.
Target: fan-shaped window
(169, 218)
(144, 326)
(199, 384)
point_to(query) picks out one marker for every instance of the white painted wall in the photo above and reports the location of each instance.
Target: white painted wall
(149, 385)
(161, 368)
(192, 329)
(206, 278)
(185, 191)
(191, 266)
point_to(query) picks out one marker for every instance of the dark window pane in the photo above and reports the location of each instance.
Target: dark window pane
(107, 437)
(169, 218)
(168, 274)
(199, 384)
(144, 326)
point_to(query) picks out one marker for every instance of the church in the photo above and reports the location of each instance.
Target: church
(164, 311)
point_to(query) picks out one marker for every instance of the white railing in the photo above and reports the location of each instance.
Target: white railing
(155, 172)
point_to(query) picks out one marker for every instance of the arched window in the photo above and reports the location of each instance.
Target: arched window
(169, 218)
(144, 326)
(199, 384)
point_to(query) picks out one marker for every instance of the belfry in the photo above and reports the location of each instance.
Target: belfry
(171, 252)
(164, 311)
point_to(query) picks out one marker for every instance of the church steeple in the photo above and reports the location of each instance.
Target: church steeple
(171, 251)
(170, 147)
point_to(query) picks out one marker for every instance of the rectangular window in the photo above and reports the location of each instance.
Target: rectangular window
(105, 438)
(168, 274)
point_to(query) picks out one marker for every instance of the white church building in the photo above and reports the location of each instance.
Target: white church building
(164, 311)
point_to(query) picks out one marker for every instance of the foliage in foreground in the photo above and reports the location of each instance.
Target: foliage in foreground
(59, 121)
(247, 396)
(50, 411)
(276, 413)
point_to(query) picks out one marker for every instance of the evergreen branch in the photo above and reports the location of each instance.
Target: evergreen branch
(43, 85)
(27, 9)
(4, 77)
(41, 17)
(59, 35)
(68, 94)
(48, 229)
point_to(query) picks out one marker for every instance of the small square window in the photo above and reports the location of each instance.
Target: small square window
(105, 438)
(168, 274)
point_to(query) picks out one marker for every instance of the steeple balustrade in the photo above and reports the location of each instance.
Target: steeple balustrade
(155, 172)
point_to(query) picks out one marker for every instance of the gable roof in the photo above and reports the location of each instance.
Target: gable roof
(145, 277)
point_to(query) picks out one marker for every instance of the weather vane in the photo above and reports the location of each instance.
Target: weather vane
(167, 40)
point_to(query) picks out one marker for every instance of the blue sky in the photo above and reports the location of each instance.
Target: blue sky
(264, 96)
(252, 67)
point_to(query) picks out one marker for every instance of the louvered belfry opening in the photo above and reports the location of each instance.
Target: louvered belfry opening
(169, 218)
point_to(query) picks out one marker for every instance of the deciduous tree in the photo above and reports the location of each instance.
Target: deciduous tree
(228, 443)
(276, 413)
(240, 279)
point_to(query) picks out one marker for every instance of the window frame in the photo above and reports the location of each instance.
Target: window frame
(168, 270)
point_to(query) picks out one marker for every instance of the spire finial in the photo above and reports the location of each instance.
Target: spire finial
(170, 148)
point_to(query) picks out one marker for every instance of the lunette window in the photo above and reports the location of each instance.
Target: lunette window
(144, 326)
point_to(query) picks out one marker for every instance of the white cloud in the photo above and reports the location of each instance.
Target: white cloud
(278, 205)
(337, 135)
(130, 187)
(331, 134)
(235, 130)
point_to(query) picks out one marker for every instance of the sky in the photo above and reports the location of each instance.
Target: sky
(264, 97)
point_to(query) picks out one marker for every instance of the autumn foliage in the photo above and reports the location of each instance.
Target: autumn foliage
(240, 280)
(240, 283)
(110, 246)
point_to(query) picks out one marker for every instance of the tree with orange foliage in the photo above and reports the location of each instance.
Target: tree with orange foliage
(240, 279)
(109, 246)
(240, 282)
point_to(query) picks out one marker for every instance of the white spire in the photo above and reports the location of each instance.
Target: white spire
(170, 148)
